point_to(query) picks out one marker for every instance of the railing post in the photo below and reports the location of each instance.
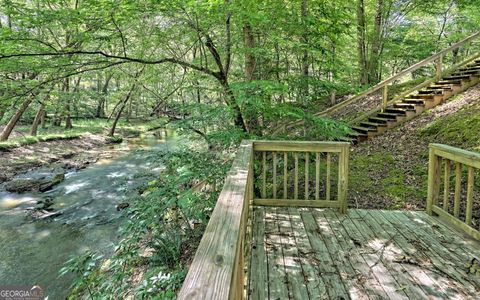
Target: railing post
(385, 97)
(343, 179)
(439, 67)
(433, 179)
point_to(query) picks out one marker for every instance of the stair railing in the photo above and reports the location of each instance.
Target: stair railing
(436, 58)
(452, 171)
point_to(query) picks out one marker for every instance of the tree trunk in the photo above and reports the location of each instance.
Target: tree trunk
(13, 121)
(305, 63)
(103, 98)
(376, 45)
(362, 59)
(119, 113)
(38, 118)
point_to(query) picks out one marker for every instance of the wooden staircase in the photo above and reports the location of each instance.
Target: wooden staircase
(416, 103)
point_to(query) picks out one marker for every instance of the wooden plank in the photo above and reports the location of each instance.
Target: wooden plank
(457, 241)
(296, 203)
(373, 253)
(446, 184)
(361, 270)
(277, 278)
(317, 176)
(274, 175)
(470, 183)
(343, 180)
(307, 169)
(342, 264)
(465, 157)
(215, 262)
(285, 175)
(457, 223)
(315, 285)
(299, 146)
(295, 274)
(390, 248)
(433, 179)
(258, 260)
(328, 180)
(295, 182)
(264, 174)
(458, 189)
(433, 285)
(429, 243)
(325, 263)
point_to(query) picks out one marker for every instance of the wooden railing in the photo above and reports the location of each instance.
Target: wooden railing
(437, 59)
(458, 205)
(301, 174)
(218, 268)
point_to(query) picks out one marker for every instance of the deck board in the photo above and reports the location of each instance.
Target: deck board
(311, 253)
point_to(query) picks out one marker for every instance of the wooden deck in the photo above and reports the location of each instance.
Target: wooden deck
(313, 253)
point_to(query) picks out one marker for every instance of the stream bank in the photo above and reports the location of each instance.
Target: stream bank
(85, 206)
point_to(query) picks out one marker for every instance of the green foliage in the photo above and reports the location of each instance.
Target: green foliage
(164, 224)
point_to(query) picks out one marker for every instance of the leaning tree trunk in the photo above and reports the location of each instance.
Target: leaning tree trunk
(37, 120)
(119, 113)
(13, 121)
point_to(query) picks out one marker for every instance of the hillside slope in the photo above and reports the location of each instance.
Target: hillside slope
(390, 171)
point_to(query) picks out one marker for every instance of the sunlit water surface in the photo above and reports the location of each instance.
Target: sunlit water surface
(34, 252)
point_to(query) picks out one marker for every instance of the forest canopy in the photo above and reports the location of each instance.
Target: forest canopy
(242, 64)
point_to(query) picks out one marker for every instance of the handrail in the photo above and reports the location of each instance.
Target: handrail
(384, 84)
(426, 83)
(402, 73)
(452, 158)
(218, 268)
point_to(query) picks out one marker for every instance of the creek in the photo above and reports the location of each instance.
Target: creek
(33, 251)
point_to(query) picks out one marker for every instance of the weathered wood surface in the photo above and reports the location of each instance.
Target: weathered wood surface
(460, 217)
(313, 187)
(217, 269)
(314, 253)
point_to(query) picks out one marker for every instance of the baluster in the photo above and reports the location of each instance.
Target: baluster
(470, 182)
(274, 175)
(317, 176)
(458, 189)
(446, 185)
(295, 193)
(285, 175)
(307, 162)
(328, 183)
(264, 175)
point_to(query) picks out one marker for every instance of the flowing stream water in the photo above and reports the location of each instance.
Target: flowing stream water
(33, 252)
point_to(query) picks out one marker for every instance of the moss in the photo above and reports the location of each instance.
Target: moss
(459, 129)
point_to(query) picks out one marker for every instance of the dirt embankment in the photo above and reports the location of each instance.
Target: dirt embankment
(73, 154)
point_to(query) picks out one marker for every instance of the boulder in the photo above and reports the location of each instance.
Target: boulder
(39, 184)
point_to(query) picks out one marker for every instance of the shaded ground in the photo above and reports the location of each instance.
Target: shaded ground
(390, 171)
(68, 154)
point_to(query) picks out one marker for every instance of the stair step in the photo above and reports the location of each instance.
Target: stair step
(415, 101)
(364, 129)
(422, 96)
(456, 77)
(406, 106)
(430, 92)
(380, 120)
(388, 115)
(372, 124)
(457, 82)
(440, 87)
(397, 111)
